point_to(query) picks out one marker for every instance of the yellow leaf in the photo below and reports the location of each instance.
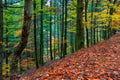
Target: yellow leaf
(18, 32)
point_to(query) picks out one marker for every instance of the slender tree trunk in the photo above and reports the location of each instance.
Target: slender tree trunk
(35, 37)
(87, 35)
(41, 34)
(65, 33)
(96, 9)
(24, 38)
(95, 24)
(106, 28)
(47, 44)
(62, 30)
(110, 22)
(54, 32)
(51, 38)
(92, 4)
(6, 53)
(7, 47)
(7, 41)
(51, 53)
(1, 38)
(58, 30)
(80, 28)
(94, 32)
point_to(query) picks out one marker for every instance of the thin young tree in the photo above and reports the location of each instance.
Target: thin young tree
(7, 47)
(92, 27)
(58, 27)
(55, 28)
(54, 33)
(41, 33)
(51, 53)
(110, 21)
(35, 35)
(62, 28)
(1, 37)
(86, 20)
(95, 21)
(7, 35)
(65, 31)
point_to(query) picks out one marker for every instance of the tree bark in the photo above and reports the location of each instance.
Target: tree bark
(65, 33)
(62, 28)
(35, 37)
(24, 38)
(41, 34)
(1, 37)
(92, 27)
(51, 52)
(87, 35)
(110, 22)
(79, 27)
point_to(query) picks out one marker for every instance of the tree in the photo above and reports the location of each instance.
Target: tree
(92, 27)
(65, 33)
(7, 41)
(41, 34)
(51, 52)
(35, 37)
(1, 37)
(95, 22)
(62, 28)
(24, 37)
(79, 43)
(87, 36)
(110, 21)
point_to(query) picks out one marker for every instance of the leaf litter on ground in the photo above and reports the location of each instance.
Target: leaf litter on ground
(99, 62)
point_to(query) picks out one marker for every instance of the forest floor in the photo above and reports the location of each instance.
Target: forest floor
(99, 62)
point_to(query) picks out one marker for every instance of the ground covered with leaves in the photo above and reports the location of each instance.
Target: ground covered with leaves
(99, 62)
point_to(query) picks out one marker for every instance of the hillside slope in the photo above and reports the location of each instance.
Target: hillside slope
(99, 62)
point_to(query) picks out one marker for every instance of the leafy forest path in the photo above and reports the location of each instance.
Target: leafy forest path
(99, 62)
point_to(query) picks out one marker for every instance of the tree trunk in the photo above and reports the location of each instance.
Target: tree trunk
(79, 27)
(110, 21)
(96, 5)
(24, 38)
(51, 52)
(87, 35)
(62, 29)
(7, 46)
(65, 33)
(92, 28)
(35, 37)
(1, 37)
(41, 34)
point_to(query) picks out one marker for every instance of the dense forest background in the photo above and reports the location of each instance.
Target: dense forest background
(33, 32)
